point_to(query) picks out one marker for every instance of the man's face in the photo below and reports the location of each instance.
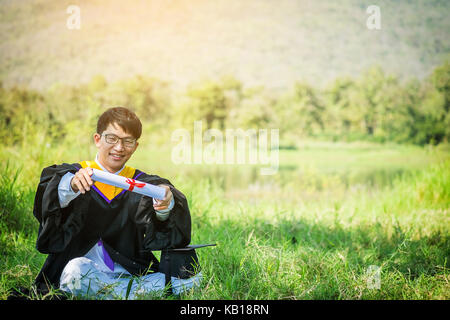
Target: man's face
(114, 156)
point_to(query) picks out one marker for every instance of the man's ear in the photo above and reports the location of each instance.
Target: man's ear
(97, 138)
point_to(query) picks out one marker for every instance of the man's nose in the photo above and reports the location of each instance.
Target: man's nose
(119, 145)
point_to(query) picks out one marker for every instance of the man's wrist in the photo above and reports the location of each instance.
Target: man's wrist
(163, 215)
(65, 191)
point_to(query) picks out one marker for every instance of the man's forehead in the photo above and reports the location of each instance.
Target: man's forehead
(118, 131)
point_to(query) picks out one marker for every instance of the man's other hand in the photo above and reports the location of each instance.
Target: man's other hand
(163, 204)
(82, 180)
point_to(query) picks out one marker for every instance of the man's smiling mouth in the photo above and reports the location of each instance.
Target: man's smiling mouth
(116, 156)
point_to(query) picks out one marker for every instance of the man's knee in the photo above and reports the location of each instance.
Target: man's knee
(73, 273)
(77, 265)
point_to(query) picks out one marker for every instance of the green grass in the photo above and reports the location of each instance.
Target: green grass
(311, 231)
(314, 238)
(315, 251)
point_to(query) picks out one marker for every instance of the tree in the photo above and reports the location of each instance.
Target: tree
(440, 78)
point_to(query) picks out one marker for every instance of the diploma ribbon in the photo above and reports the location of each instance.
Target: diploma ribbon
(133, 184)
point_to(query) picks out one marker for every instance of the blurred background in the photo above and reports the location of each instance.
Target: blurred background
(269, 43)
(363, 114)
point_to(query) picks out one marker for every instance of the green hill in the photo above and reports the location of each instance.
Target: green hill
(272, 43)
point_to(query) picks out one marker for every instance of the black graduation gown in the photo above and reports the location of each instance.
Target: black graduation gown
(127, 225)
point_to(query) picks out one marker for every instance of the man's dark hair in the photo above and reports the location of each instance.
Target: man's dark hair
(123, 117)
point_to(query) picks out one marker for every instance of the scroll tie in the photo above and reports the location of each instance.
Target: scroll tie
(133, 184)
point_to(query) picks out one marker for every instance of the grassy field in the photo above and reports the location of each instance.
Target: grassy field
(338, 220)
(315, 230)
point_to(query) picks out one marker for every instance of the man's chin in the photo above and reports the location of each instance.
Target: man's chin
(116, 165)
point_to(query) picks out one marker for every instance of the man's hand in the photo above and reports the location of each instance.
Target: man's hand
(163, 204)
(82, 180)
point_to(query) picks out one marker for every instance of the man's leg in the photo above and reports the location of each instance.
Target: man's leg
(181, 285)
(155, 283)
(152, 283)
(82, 277)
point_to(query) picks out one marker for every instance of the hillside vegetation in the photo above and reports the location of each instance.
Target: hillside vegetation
(272, 43)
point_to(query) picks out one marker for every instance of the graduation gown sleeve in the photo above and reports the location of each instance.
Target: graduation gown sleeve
(175, 232)
(57, 226)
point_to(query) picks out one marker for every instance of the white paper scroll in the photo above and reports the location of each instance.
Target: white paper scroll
(129, 184)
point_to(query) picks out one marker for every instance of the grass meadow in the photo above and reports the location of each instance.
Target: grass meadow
(338, 220)
(317, 229)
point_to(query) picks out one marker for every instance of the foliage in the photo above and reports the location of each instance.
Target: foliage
(374, 107)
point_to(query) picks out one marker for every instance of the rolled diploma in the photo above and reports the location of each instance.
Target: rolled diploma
(129, 184)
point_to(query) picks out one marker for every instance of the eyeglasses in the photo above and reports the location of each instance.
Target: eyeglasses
(113, 139)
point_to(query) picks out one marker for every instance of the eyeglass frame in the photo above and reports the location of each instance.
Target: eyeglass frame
(118, 138)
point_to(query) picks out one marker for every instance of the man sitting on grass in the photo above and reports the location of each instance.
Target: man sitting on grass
(99, 237)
